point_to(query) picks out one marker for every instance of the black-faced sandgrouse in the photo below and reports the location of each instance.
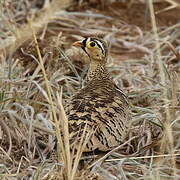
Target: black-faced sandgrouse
(100, 104)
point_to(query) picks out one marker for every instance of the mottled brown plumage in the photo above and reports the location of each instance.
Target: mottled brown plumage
(100, 104)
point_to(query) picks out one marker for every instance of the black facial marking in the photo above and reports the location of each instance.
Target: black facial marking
(84, 45)
(84, 42)
(98, 45)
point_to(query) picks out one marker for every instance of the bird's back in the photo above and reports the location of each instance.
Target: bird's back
(105, 109)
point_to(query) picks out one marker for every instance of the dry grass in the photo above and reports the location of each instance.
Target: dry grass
(40, 71)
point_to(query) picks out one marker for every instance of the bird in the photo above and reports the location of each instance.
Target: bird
(100, 105)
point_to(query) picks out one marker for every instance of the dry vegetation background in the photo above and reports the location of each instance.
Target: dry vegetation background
(144, 61)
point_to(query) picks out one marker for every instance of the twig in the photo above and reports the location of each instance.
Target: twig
(172, 48)
(145, 157)
(109, 153)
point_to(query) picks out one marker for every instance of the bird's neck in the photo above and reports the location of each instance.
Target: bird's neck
(97, 70)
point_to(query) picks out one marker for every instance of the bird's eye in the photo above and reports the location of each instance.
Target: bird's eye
(92, 44)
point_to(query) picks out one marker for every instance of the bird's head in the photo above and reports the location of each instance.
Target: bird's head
(95, 48)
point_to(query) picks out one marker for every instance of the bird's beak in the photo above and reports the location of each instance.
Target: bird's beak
(78, 44)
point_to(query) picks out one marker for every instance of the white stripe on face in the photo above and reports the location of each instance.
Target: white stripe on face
(88, 40)
(101, 45)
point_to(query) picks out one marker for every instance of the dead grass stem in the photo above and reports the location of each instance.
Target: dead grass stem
(168, 119)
